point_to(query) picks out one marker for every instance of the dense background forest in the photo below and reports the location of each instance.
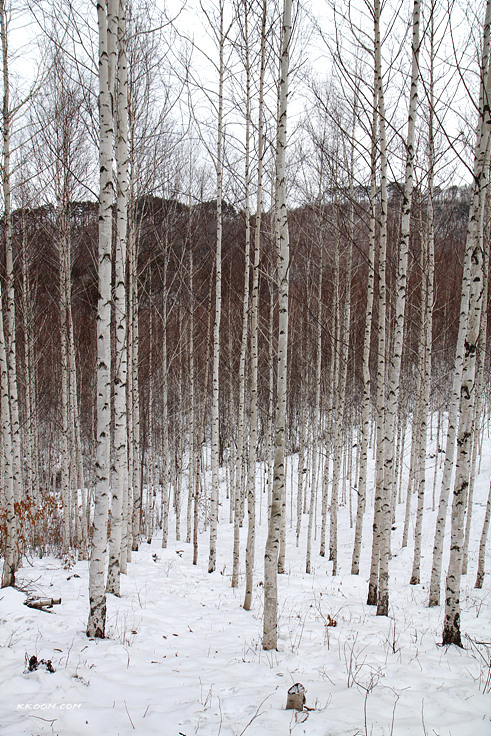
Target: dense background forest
(166, 232)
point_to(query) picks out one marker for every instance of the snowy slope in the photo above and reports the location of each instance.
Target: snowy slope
(184, 658)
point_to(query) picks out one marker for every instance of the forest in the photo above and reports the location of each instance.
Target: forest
(245, 365)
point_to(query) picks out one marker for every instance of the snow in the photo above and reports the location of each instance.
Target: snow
(182, 657)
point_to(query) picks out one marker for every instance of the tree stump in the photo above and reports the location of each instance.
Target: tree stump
(296, 697)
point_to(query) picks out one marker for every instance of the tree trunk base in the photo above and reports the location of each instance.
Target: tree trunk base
(372, 595)
(383, 605)
(97, 620)
(8, 575)
(451, 633)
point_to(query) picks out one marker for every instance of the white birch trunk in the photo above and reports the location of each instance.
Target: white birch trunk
(192, 399)
(315, 422)
(11, 542)
(215, 420)
(64, 245)
(271, 398)
(301, 469)
(9, 321)
(453, 412)
(365, 425)
(79, 464)
(482, 544)
(253, 444)
(270, 623)
(474, 244)
(420, 434)
(379, 546)
(97, 598)
(127, 542)
(241, 454)
(478, 410)
(336, 421)
(343, 373)
(119, 491)
(201, 427)
(165, 497)
(392, 398)
(134, 396)
(31, 482)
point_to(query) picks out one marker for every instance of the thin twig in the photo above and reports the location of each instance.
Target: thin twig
(46, 720)
(133, 725)
(256, 714)
(423, 717)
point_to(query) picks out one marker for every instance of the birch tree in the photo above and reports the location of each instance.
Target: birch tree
(107, 24)
(379, 541)
(423, 397)
(251, 478)
(11, 541)
(478, 408)
(389, 437)
(9, 322)
(365, 424)
(482, 543)
(344, 323)
(270, 623)
(120, 491)
(475, 246)
(31, 444)
(241, 466)
(453, 412)
(221, 35)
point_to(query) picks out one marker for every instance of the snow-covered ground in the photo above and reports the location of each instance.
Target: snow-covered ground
(182, 657)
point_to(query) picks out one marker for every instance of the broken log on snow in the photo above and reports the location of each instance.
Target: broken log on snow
(42, 603)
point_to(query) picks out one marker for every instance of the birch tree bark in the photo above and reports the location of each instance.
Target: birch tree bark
(482, 543)
(344, 326)
(337, 411)
(453, 412)
(379, 542)
(201, 426)
(133, 384)
(301, 469)
(9, 320)
(215, 420)
(241, 440)
(165, 498)
(270, 623)
(79, 476)
(365, 427)
(97, 616)
(11, 542)
(253, 443)
(119, 492)
(478, 408)
(389, 437)
(192, 399)
(133, 418)
(316, 420)
(474, 244)
(64, 245)
(31, 429)
(332, 438)
(423, 397)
